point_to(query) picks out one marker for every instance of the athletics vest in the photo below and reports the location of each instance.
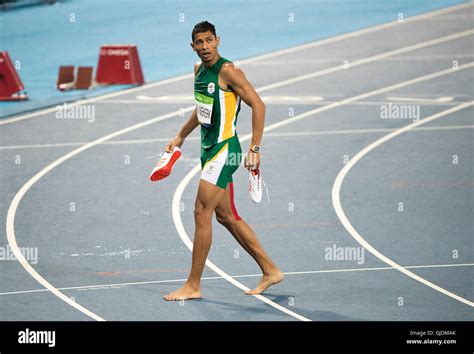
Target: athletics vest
(217, 109)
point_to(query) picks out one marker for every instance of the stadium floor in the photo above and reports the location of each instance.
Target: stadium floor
(111, 243)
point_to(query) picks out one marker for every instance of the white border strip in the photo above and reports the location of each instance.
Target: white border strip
(336, 191)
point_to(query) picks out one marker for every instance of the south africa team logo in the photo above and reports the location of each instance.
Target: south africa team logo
(211, 88)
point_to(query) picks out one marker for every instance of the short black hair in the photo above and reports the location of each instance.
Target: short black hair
(203, 26)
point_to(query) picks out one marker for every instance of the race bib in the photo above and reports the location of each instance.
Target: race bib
(204, 108)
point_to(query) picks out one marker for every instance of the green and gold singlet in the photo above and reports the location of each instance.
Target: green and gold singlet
(217, 111)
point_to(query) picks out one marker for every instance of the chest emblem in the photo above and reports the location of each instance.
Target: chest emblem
(211, 88)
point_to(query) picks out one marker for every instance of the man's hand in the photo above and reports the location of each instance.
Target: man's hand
(252, 160)
(176, 141)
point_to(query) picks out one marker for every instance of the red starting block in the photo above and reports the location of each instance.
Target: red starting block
(10, 83)
(67, 81)
(119, 64)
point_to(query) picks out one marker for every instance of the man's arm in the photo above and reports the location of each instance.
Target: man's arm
(237, 81)
(187, 128)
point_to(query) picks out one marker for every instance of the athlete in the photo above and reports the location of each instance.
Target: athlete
(219, 86)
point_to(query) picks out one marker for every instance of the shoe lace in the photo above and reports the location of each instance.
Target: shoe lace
(152, 157)
(161, 155)
(264, 185)
(266, 189)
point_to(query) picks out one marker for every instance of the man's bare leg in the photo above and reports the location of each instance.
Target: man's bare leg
(208, 197)
(247, 238)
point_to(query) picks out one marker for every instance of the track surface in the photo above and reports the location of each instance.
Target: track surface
(107, 239)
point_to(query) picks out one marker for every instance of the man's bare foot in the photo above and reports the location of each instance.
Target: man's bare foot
(266, 281)
(187, 292)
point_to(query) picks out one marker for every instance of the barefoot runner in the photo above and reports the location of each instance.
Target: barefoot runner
(219, 86)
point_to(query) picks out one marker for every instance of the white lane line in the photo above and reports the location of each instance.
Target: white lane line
(269, 135)
(118, 285)
(465, 16)
(442, 99)
(163, 99)
(182, 185)
(336, 191)
(114, 142)
(305, 61)
(314, 44)
(420, 103)
(365, 131)
(303, 102)
(190, 99)
(10, 222)
(369, 59)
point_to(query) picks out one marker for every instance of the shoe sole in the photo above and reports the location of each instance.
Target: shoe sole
(166, 170)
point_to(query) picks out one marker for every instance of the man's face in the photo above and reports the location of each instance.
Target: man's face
(205, 45)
